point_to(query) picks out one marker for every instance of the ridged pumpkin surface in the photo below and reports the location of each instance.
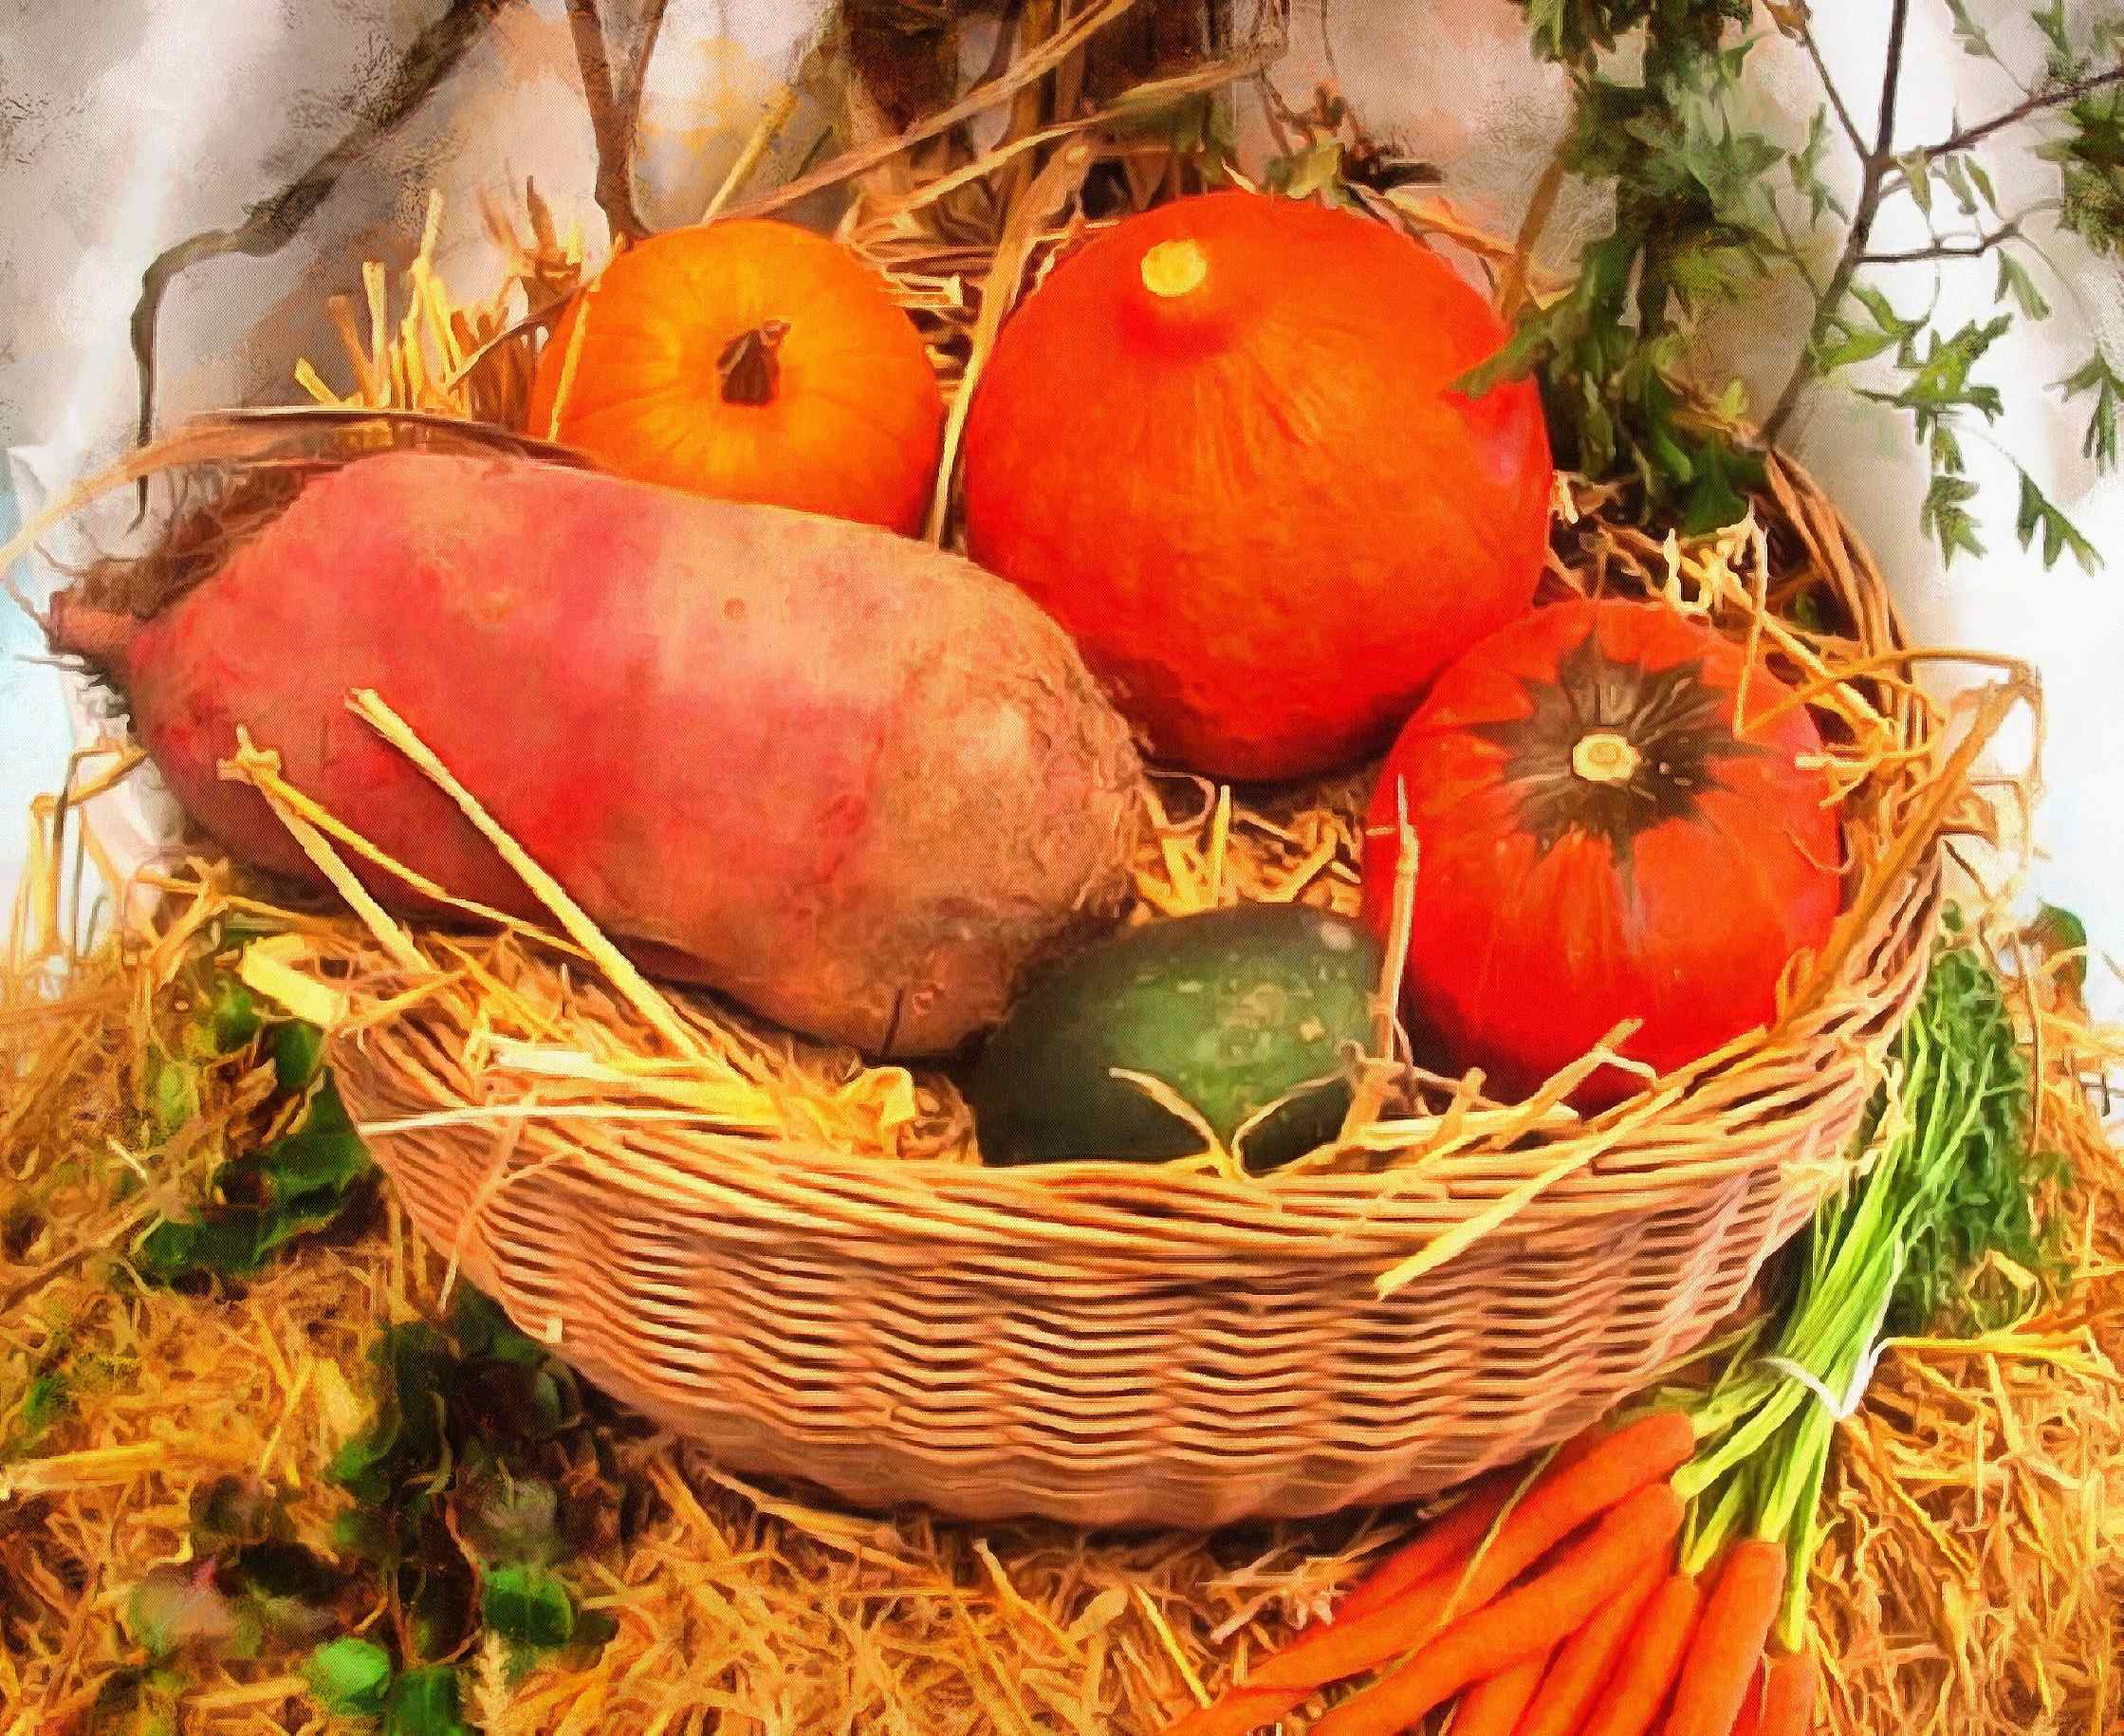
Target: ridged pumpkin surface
(1597, 843)
(750, 361)
(1218, 445)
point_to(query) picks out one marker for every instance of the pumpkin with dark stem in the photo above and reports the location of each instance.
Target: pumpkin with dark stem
(751, 360)
(1222, 445)
(1616, 817)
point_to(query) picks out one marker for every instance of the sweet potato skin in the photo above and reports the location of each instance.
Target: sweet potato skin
(852, 781)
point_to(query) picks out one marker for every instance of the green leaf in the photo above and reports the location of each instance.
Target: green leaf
(47, 1397)
(1968, 32)
(406, 1439)
(480, 1329)
(1852, 346)
(350, 1677)
(1885, 317)
(1306, 171)
(1714, 501)
(298, 1184)
(1918, 174)
(234, 1015)
(1946, 517)
(173, 1093)
(2014, 280)
(225, 1242)
(2056, 930)
(173, 1607)
(2095, 376)
(1805, 169)
(2050, 20)
(425, 1703)
(324, 1156)
(527, 1606)
(298, 1052)
(1980, 180)
(1956, 175)
(2058, 534)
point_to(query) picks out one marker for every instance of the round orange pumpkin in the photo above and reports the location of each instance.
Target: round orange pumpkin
(1595, 843)
(752, 361)
(1220, 445)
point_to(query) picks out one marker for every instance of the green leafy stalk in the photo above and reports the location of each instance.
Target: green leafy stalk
(1951, 1179)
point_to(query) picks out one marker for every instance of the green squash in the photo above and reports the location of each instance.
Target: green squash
(1230, 1010)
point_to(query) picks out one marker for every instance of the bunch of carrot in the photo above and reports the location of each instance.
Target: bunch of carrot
(1555, 1604)
(1653, 1578)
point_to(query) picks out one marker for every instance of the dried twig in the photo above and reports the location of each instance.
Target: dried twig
(436, 52)
(615, 110)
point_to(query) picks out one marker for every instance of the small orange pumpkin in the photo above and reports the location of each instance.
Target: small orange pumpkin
(752, 361)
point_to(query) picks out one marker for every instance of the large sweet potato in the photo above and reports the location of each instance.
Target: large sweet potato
(852, 781)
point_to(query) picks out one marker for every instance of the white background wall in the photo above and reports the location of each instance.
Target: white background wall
(127, 124)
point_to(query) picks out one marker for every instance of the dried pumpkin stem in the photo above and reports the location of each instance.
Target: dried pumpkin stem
(1604, 757)
(747, 366)
(1174, 268)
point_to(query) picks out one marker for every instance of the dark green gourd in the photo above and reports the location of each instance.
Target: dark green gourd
(1230, 1010)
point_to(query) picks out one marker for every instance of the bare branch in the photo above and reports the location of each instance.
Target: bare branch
(1829, 89)
(271, 224)
(2036, 104)
(1945, 249)
(1877, 163)
(613, 121)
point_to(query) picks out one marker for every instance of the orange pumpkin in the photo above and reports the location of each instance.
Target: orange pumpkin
(1220, 445)
(752, 361)
(1603, 833)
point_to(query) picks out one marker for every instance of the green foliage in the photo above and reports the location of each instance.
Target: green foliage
(298, 1184)
(1693, 227)
(350, 1677)
(476, 1481)
(470, 1485)
(2038, 517)
(527, 1606)
(2088, 148)
(1951, 1184)
(1965, 1090)
(2097, 377)
(2057, 930)
(425, 1702)
(1660, 88)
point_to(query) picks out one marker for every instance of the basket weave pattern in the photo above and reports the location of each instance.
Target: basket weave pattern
(1115, 1344)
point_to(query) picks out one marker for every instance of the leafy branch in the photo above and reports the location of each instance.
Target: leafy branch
(1660, 83)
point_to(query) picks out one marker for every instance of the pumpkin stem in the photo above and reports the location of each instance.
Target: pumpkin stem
(746, 367)
(1173, 268)
(1604, 757)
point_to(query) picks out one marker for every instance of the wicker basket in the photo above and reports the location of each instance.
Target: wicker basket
(1119, 1344)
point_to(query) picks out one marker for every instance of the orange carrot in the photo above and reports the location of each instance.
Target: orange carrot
(1453, 1536)
(1633, 1697)
(1449, 1539)
(1587, 1660)
(1727, 1644)
(1750, 1721)
(1788, 1695)
(1615, 1468)
(1536, 1615)
(1493, 1708)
